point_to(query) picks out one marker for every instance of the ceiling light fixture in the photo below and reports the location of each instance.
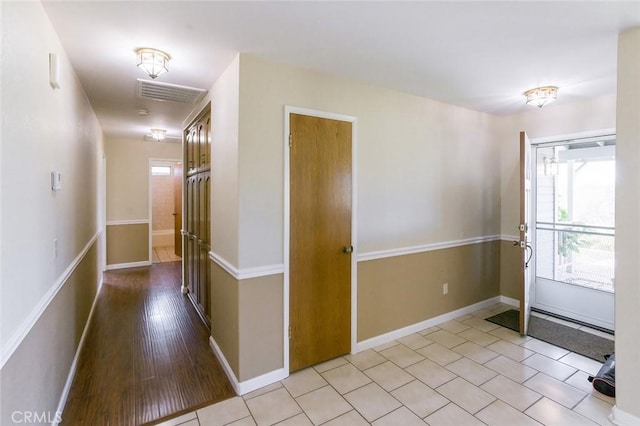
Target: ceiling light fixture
(152, 61)
(158, 134)
(540, 96)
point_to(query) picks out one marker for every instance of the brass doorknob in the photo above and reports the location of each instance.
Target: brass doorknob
(348, 249)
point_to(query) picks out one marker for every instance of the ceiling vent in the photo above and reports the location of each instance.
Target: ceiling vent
(169, 92)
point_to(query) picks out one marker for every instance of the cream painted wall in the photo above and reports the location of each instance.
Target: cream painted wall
(128, 175)
(413, 154)
(44, 298)
(224, 164)
(552, 120)
(627, 410)
(42, 130)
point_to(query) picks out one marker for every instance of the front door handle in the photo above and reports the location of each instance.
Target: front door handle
(347, 249)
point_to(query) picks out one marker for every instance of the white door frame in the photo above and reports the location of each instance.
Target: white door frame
(288, 110)
(535, 144)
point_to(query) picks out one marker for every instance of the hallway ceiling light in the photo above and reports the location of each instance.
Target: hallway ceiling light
(540, 96)
(152, 61)
(158, 134)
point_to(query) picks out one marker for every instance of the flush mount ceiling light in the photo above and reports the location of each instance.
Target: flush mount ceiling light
(540, 96)
(158, 134)
(152, 61)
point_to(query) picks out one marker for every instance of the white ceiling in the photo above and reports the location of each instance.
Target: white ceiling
(478, 55)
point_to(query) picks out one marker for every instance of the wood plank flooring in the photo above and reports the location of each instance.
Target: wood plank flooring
(146, 356)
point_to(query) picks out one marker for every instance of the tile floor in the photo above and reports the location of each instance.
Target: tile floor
(464, 372)
(164, 254)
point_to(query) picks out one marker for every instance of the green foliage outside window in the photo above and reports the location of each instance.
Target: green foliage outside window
(568, 242)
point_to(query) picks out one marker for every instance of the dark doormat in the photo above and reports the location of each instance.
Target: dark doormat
(571, 339)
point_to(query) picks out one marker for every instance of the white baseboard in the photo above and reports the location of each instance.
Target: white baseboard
(74, 363)
(509, 301)
(405, 331)
(250, 385)
(622, 418)
(128, 265)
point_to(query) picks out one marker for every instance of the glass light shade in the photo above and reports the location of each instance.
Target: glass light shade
(158, 134)
(540, 96)
(153, 62)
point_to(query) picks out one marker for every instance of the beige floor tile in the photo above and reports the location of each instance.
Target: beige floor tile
(346, 378)
(273, 407)
(420, 398)
(511, 369)
(446, 339)
(366, 359)
(401, 416)
(387, 345)
(483, 313)
(545, 348)
(509, 335)
(500, 414)
(471, 371)
(303, 381)
(401, 355)
(247, 421)
(581, 363)
(454, 326)
(452, 415)
(550, 413)
(475, 352)
(415, 341)
(499, 308)
(352, 418)
(466, 395)
(430, 373)
(579, 380)
(594, 409)
(439, 354)
(556, 390)
(514, 394)
(195, 422)
(508, 349)
(262, 391)
(299, 420)
(323, 404)
(389, 376)
(180, 420)
(223, 412)
(372, 402)
(331, 364)
(479, 337)
(550, 367)
(481, 324)
(428, 331)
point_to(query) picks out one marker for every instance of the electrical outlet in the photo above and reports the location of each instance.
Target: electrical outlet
(445, 288)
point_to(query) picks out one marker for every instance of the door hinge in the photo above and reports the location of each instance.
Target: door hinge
(290, 140)
(289, 332)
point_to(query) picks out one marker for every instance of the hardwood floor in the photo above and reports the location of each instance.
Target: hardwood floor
(146, 356)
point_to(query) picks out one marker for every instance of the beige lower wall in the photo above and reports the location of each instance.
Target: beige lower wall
(510, 270)
(127, 243)
(224, 315)
(399, 291)
(247, 322)
(261, 325)
(34, 377)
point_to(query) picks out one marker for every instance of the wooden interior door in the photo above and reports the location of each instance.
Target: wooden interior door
(177, 209)
(526, 250)
(320, 240)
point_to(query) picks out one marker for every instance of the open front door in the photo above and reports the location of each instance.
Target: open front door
(526, 250)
